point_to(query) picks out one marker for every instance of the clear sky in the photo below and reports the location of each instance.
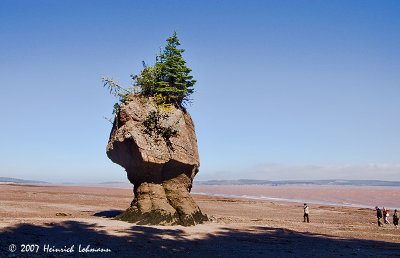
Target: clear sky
(286, 89)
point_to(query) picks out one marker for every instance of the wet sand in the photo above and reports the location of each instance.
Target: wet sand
(356, 196)
(66, 216)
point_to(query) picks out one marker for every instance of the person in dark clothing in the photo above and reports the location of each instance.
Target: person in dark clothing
(395, 218)
(379, 216)
(306, 212)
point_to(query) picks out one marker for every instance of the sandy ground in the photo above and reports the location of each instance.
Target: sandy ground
(71, 218)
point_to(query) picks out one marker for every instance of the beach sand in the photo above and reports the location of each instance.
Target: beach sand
(65, 217)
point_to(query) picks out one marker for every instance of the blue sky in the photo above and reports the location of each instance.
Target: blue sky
(286, 89)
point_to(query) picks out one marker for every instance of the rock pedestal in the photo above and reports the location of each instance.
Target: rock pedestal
(162, 174)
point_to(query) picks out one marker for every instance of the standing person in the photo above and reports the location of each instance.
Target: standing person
(395, 218)
(385, 215)
(306, 213)
(379, 216)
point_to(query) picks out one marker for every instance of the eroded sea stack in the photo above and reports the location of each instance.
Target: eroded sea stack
(161, 171)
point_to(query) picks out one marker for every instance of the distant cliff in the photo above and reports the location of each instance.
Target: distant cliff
(20, 181)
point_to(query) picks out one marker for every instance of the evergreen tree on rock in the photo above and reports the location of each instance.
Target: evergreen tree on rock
(168, 80)
(173, 82)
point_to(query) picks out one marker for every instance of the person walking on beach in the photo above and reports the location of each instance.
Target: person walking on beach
(395, 218)
(385, 215)
(379, 216)
(306, 213)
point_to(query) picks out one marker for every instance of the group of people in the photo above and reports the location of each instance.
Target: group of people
(385, 215)
(379, 214)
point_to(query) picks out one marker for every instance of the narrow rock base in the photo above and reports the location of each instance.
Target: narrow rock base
(168, 203)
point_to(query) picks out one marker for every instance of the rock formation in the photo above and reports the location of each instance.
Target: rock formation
(162, 173)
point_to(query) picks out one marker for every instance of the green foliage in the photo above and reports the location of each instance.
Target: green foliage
(116, 90)
(169, 77)
(161, 103)
(146, 81)
(174, 82)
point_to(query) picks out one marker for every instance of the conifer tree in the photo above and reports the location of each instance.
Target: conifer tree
(169, 78)
(174, 81)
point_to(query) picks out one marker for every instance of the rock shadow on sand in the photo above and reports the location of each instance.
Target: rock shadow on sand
(109, 213)
(145, 241)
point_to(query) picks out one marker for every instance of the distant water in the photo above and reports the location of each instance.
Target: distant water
(268, 198)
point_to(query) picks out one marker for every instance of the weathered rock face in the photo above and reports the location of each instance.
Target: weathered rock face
(162, 175)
